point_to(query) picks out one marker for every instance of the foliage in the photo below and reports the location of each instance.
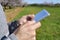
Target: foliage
(46, 5)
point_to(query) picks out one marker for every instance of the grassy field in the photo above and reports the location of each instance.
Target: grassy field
(50, 29)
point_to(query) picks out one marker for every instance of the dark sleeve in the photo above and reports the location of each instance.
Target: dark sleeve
(13, 26)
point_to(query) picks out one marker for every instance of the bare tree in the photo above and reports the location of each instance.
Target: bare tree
(15, 2)
(11, 3)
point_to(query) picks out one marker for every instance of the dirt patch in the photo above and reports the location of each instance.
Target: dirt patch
(11, 13)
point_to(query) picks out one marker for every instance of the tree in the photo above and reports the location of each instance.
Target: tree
(15, 2)
(11, 3)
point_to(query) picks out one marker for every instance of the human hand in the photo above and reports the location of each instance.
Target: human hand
(27, 29)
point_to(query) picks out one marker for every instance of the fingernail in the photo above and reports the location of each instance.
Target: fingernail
(29, 18)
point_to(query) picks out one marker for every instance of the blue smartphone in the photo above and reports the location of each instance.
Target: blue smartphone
(41, 15)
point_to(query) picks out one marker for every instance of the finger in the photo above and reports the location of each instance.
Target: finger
(36, 25)
(33, 38)
(32, 35)
(29, 23)
(24, 18)
(30, 17)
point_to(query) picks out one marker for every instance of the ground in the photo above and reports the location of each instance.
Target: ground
(11, 13)
(50, 28)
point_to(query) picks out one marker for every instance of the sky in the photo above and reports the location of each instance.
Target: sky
(41, 1)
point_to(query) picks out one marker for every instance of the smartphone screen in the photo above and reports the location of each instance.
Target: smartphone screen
(41, 15)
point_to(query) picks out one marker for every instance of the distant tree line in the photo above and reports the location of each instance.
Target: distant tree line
(47, 5)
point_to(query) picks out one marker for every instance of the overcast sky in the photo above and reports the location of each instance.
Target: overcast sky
(42, 1)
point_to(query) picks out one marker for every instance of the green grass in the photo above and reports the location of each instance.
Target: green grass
(50, 28)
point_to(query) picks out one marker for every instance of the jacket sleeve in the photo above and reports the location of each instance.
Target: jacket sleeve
(13, 37)
(10, 37)
(4, 27)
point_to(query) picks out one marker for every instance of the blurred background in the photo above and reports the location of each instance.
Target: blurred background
(50, 29)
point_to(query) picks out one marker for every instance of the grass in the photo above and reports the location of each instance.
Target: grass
(50, 28)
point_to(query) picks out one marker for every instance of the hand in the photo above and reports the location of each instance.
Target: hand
(27, 29)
